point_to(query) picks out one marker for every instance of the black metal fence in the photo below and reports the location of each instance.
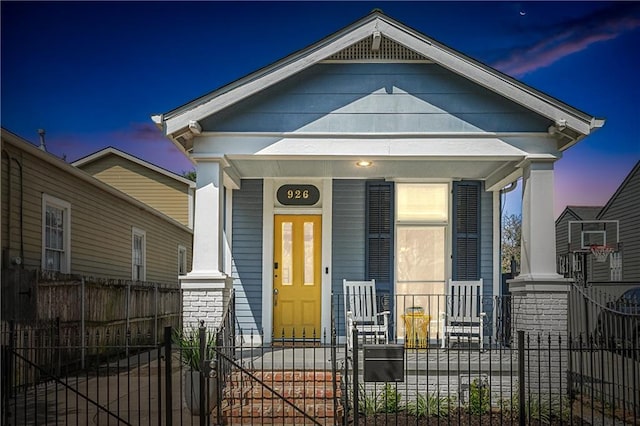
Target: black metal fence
(245, 377)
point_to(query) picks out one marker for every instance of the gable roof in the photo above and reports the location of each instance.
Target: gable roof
(585, 212)
(183, 120)
(114, 151)
(624, 183)
(580, 213)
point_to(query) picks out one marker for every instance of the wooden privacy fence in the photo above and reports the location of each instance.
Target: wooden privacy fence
(100, 310)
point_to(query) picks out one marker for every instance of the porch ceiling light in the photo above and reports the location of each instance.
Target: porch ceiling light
(364, 163)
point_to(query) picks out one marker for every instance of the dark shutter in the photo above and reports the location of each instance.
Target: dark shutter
(466, 230)
(379, 239)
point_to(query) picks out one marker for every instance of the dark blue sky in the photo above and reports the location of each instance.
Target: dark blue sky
(92, 73)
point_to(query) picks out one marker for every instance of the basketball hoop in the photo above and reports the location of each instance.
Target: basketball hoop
(601, 252)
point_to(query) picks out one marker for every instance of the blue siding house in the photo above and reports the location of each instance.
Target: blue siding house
(375, 153)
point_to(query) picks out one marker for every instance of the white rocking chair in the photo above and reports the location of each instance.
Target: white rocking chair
(464, 318)
(361, 310)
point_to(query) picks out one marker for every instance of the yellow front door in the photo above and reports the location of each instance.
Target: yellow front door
(297, 276)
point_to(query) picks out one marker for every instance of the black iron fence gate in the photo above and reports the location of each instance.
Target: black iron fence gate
(311, 380)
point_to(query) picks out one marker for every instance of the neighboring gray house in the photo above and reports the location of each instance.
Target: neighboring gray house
(624, 207)
(572, 214)
(617, 224)
(376, 153)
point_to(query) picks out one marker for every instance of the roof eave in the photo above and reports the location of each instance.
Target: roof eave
(176, 121)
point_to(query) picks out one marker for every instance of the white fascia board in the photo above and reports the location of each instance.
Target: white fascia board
(266, 78)
(111, 150)
(490, 79)
(231, 178)
(498, 179)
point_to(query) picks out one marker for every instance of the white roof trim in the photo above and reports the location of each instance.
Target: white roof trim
(111, 150)
(252, 84)
(491, 79)
(502, 84)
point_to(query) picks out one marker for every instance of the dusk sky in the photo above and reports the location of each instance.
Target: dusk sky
(92, 73)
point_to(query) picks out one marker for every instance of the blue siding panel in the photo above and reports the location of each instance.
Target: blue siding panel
(247, 254)
(360, 98)
(486, 254)
(486, 240)
(348, 234)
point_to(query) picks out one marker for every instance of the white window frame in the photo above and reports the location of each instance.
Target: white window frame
(445, 224)
(65, 206)
(182, 260)
(137, 232)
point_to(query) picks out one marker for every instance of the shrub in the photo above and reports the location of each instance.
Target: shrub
(543, 408)
(385, 401)
(479, 397)
(430, 404)
(189, 343)
(390, 399)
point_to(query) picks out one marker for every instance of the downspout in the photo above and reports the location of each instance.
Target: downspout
(7, 257)
(504, 293)
(21, 214)
(10, 159)
(513, 185)
(507, 189)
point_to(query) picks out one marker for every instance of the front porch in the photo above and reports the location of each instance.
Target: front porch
(290, 382)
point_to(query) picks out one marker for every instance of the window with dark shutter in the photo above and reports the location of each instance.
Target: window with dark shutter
(466, 231)
(379, 243)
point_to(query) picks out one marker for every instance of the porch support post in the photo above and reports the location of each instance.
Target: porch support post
(206, 289)
(538, 246)
(539, 294)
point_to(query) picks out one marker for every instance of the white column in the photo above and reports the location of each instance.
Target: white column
(538, 255)
(539, 296)
(206, 288)
(208, 230)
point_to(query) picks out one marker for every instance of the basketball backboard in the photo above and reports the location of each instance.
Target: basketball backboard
(582, 234)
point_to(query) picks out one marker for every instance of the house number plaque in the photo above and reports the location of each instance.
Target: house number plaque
(298, 195)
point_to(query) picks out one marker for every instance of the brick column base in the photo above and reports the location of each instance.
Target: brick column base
(540, 309)
(204, 299)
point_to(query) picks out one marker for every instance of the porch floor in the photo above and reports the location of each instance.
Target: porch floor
(430, 360)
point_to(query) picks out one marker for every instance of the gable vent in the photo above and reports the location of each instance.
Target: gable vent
(389, 51)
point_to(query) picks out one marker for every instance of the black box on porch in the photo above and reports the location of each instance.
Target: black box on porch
(383, 363)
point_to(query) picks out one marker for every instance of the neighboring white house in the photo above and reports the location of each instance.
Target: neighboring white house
(386, 152)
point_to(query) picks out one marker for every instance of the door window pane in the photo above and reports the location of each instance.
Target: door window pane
(309, 255)
(287, 253)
